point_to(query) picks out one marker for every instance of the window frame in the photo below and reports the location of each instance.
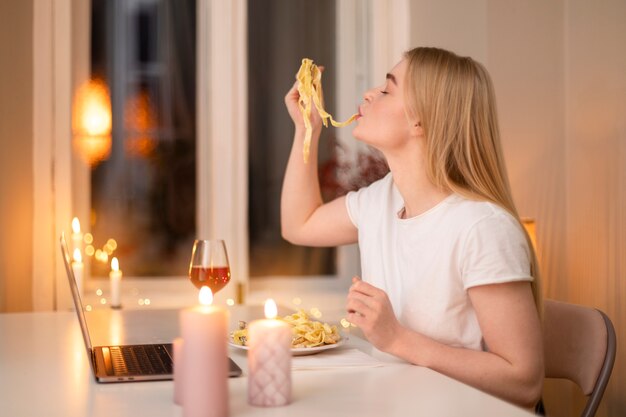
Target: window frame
(60, 188)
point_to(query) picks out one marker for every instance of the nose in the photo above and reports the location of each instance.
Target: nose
(367, 96)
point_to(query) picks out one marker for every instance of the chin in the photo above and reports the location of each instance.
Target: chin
(356, 133)
(362, 138)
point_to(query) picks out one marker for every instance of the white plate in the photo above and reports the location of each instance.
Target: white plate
(299, 351)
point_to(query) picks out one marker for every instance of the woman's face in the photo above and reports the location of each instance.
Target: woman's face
(382, 120)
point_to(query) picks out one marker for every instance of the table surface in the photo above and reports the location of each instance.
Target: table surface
(44, 371)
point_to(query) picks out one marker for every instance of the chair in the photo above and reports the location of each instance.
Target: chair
(579, 345)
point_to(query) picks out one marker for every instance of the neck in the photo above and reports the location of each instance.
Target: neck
(409, 176)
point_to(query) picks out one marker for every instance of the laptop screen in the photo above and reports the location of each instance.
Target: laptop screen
(78, 305)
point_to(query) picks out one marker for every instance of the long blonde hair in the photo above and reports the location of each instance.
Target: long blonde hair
(454, 99)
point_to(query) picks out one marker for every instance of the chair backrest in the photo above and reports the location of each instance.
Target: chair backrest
(579, 345)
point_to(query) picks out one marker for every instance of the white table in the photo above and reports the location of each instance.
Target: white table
(44, 371)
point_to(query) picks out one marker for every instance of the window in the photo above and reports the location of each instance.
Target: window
(143, 194)
(370, 36)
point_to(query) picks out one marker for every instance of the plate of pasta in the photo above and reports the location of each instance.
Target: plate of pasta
(309, 336)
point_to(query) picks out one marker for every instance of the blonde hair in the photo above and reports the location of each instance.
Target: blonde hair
(454, 99)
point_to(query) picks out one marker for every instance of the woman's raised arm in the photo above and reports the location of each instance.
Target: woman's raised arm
(305, 218)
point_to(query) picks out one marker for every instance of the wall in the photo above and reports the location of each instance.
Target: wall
(559, 70)
(595, 82)
(526, 63)
(455, 25)
(16, 169)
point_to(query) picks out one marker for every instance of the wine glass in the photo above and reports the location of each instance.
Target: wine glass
(209, 264)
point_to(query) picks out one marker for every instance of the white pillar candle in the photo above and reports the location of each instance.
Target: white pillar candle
(205, 359)
(178, 370)
(269, 360)
(115, 278)
(79, 270)
(77, 236)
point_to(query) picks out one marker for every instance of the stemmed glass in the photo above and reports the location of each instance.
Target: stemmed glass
(209, 264)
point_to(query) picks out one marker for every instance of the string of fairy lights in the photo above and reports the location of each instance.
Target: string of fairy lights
(107, 250)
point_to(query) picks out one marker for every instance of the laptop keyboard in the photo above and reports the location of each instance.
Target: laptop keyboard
(141, 360)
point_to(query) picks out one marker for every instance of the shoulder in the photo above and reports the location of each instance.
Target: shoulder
(385, 184)
(484, 224)
(374, 197)
(481, 216)
(494, 245)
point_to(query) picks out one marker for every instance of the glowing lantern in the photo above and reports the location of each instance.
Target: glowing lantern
(91, 122)
(530, 226)
(141, 122)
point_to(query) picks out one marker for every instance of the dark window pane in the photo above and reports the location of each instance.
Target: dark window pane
(280, 34)
(143, 195)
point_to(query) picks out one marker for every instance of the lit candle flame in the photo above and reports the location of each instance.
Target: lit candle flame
(115, 264)
(75, 225)
(206, 296)
(77, 256)
(270, 309)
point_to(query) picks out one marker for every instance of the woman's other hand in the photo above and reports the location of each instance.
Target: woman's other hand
(369, 308)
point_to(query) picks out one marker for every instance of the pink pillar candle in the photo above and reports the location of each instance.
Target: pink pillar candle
(178, 370)
(269, 360)
(205, 359)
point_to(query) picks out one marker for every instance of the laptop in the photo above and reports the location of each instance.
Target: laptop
(124, 363)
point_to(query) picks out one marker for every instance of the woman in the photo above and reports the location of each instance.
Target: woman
(447, 267)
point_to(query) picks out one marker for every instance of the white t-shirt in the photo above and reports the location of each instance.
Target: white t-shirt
(427, 263)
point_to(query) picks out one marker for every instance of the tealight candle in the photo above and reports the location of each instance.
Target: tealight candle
(205, 358)
(79, 270)
(269, 360)
(77, 236)
(115, 278)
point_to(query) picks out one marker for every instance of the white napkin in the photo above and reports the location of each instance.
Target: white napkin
(336, 358)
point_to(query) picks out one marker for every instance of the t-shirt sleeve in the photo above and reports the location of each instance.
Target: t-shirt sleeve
(495, 251)
(359, 202)
(352, 205)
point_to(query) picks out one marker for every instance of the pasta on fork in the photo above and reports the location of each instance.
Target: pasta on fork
(309, 78)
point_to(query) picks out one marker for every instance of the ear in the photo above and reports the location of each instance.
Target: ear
(416, 129)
